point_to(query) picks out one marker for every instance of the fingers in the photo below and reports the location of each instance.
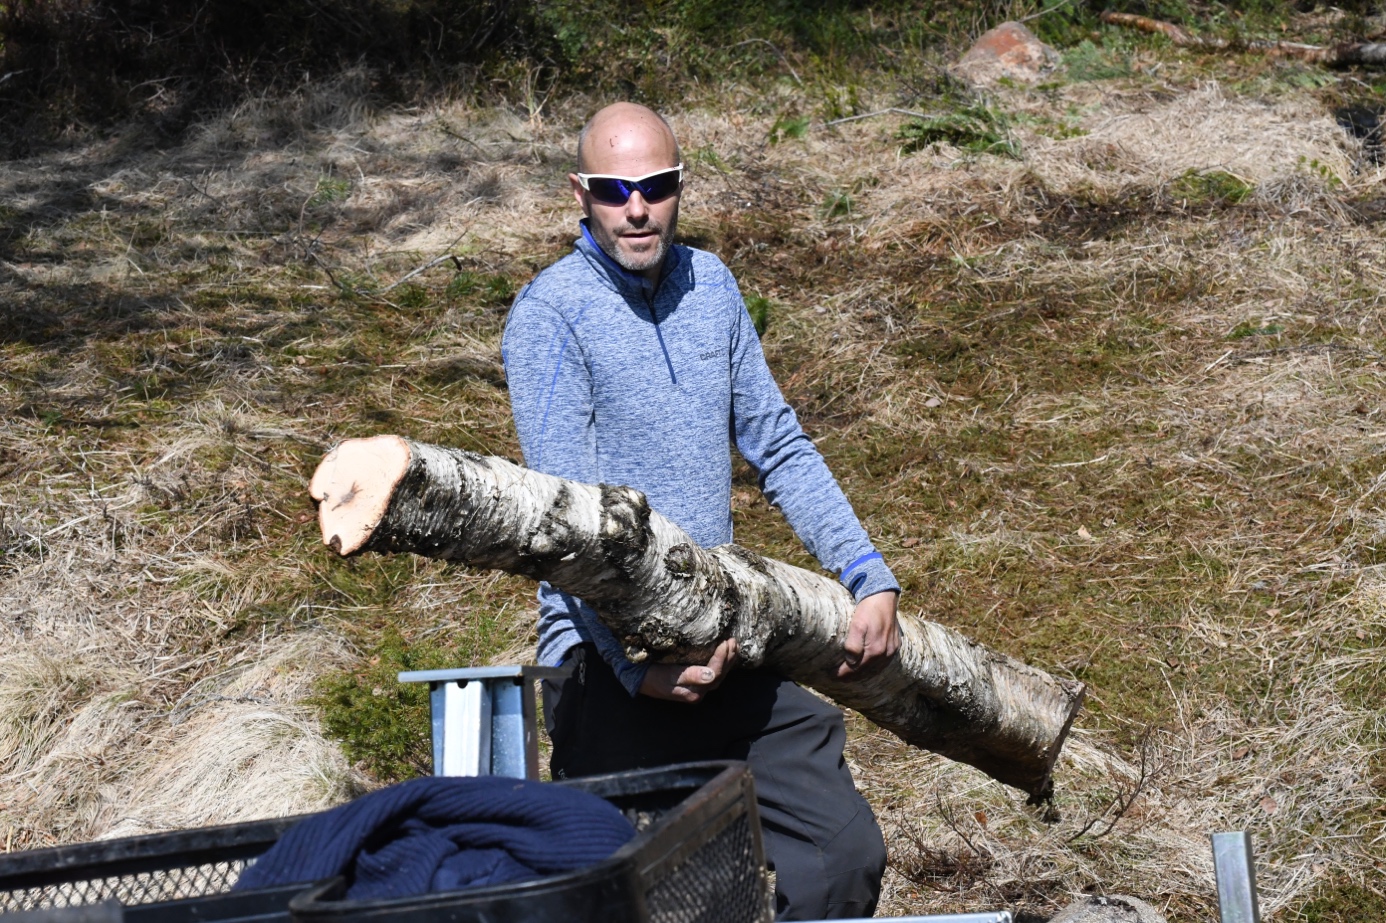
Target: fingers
(673, 682)
(703, 679)
(859, 648)
(873, 637)
(723, 658)
(696, 677)
(856, 644)
(689, 683)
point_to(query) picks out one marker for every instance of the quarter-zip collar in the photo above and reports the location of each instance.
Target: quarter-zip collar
(628, 283)
(617, 276)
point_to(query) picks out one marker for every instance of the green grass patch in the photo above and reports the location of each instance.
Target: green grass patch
(383, 724)
(330, 189)
(1087, 61)
(758, 306)
(489, 290)
(789, 127)
(977, 128)
(1211, 186)
(1251, 328)
(838, 204)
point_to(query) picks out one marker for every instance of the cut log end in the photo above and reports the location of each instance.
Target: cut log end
(353, 487)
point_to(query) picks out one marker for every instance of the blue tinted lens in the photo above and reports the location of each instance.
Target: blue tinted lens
(660, 186)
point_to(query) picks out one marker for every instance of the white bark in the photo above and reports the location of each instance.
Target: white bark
(669, 600)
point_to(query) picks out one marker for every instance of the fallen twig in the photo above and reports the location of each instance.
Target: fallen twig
(1363, 54)
(426, 266)
(1126, 795)
(870, 115)
(446, 255)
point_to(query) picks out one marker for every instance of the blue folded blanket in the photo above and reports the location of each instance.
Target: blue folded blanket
(442, 834)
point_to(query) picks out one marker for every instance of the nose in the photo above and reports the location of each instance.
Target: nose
(637, 209)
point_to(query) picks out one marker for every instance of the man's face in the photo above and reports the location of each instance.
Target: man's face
(637, 234)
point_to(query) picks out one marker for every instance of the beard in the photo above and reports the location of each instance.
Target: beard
(637, 262)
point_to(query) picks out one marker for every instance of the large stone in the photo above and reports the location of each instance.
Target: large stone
(1114, 908)
(1010, 51)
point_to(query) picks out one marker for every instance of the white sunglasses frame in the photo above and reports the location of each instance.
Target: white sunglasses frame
(584, 177)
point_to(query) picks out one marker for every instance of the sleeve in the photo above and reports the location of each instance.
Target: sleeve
(550, 391)
(551, 400)
(792, 473)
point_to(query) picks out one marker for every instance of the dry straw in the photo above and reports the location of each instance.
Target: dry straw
(136, 551)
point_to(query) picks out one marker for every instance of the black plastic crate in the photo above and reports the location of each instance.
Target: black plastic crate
(162, 878)
(697, 856)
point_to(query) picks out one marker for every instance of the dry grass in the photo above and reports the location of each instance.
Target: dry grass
(1096, 415)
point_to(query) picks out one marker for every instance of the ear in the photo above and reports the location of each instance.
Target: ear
(580, 194)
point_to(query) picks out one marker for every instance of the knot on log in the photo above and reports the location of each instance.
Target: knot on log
(681, 561)
(625, 526)
(752, 560)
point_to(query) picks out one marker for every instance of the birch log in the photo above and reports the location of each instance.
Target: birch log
(669, 600)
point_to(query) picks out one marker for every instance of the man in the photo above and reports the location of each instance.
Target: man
(633, 361)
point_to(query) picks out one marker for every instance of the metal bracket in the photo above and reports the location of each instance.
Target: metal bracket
(484, 719)
(1234, 865)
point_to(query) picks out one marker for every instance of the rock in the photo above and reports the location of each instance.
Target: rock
(1009, 50)
(1113, 908)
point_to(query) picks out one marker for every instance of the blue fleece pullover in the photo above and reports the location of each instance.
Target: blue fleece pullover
(616, 380)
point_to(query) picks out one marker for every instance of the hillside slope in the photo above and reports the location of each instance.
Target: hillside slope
(1112, 404)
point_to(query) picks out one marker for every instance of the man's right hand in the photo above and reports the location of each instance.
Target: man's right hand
(680, 682)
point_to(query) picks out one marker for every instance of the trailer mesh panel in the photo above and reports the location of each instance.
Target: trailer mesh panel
(721, 882)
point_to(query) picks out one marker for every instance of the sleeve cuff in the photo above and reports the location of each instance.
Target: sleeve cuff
(867, 576)
(631, 675)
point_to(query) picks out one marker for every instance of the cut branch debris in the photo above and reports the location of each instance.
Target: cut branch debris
(1351, 54)
(667, 599)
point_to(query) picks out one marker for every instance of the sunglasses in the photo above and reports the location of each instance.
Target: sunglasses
(616, 190)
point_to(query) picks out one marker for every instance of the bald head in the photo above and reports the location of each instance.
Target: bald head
(624, 136)
(630, 141)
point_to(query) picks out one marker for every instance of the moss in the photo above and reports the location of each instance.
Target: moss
(383, 724)
(1344, 902)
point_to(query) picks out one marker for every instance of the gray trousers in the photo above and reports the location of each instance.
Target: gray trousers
(819, 833)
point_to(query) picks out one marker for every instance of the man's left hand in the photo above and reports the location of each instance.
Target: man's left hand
(873, 636)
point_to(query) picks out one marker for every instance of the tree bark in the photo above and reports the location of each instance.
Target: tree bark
(669, 600)
(1362, 54)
